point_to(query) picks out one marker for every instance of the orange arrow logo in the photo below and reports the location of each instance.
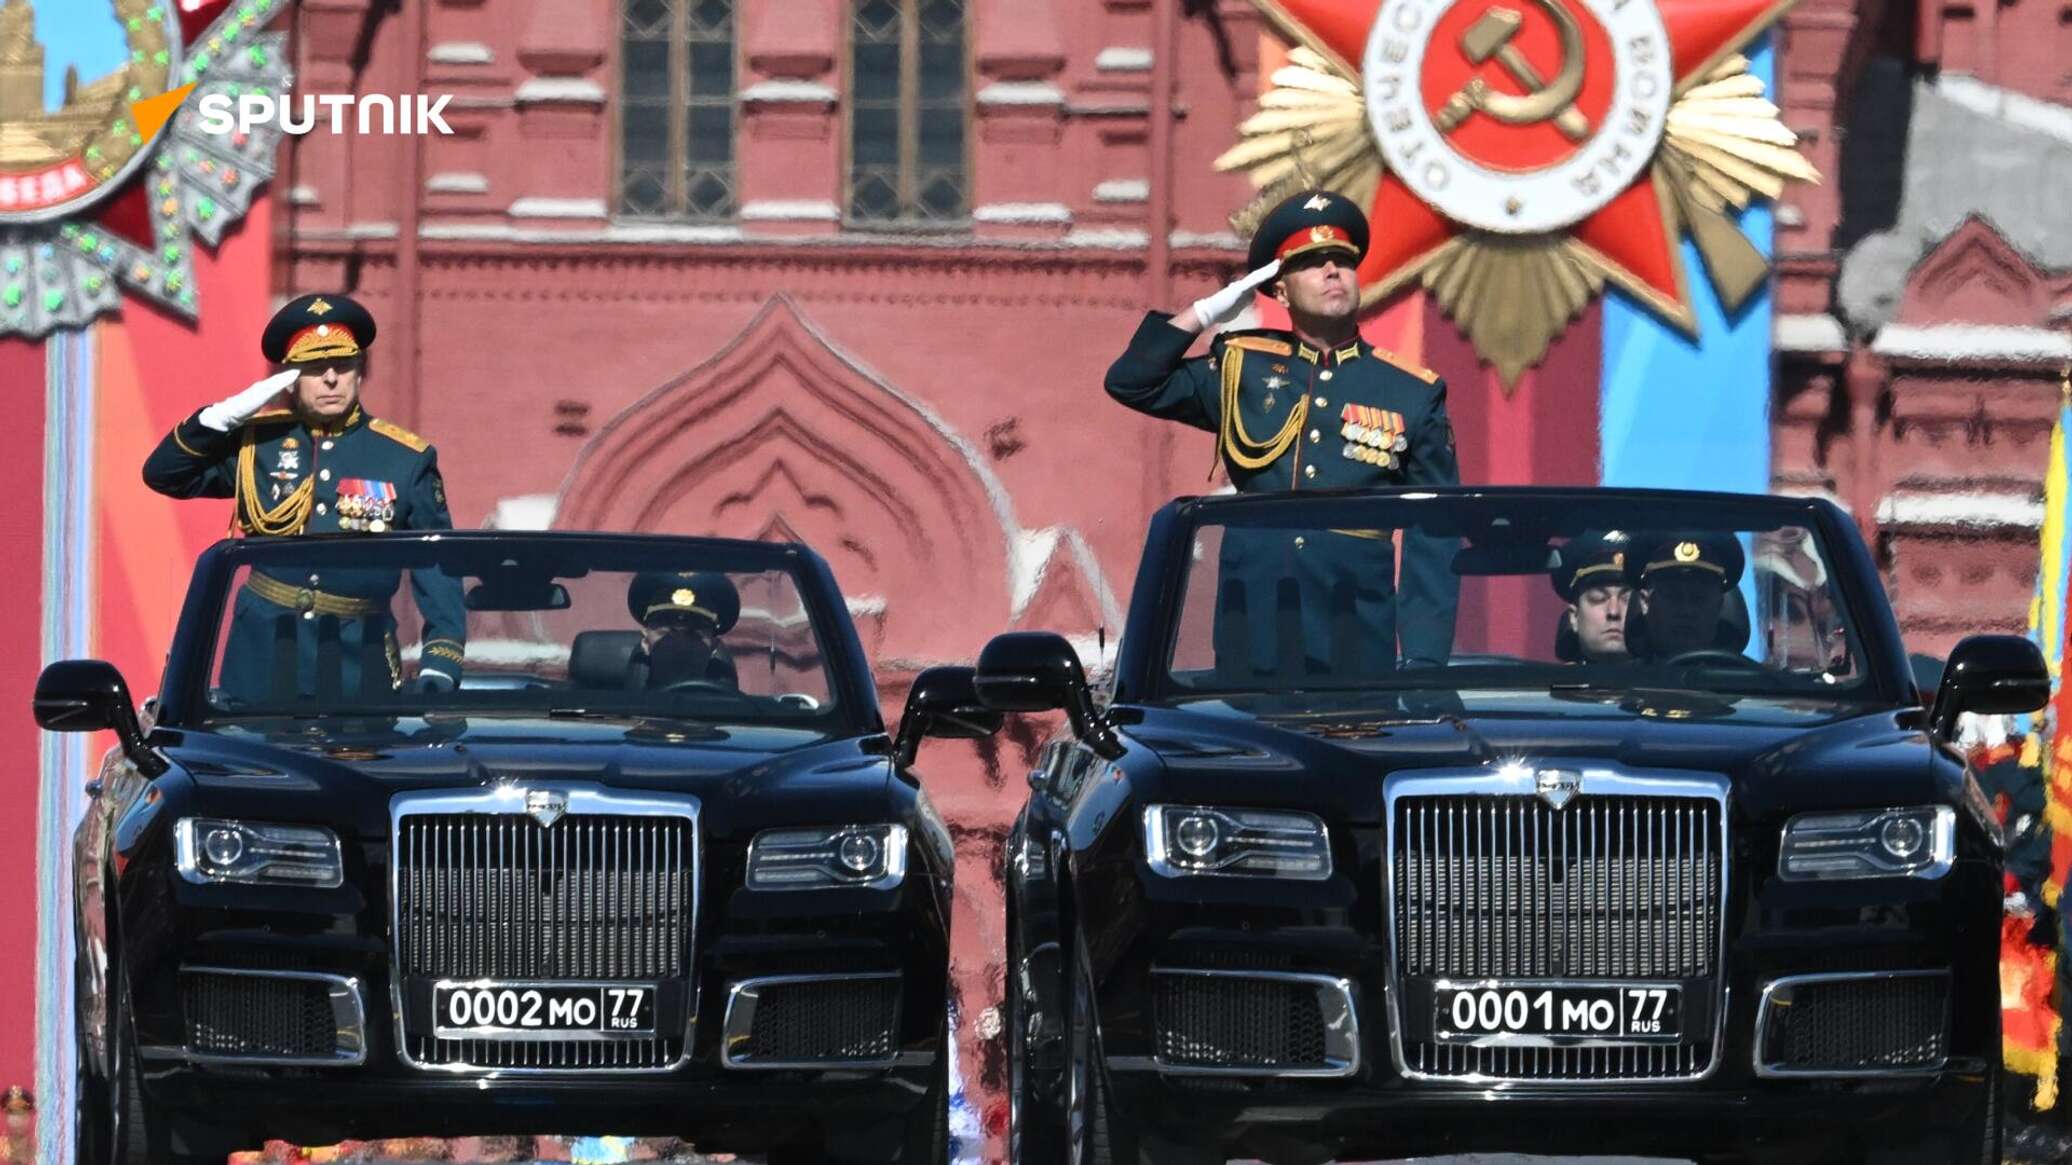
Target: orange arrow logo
(151, 114)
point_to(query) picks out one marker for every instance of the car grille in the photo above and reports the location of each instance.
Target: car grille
(1610, 887)
(597, 897)
(1238, 1021)
(813, 1019)
(1851, 1024)
(269, 1017)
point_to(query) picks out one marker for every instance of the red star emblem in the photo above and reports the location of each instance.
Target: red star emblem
(1632, 232)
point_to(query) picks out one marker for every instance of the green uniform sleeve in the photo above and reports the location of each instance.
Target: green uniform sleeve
(438, 595)
(1154, 376)
(193, 461)
(1429, 595)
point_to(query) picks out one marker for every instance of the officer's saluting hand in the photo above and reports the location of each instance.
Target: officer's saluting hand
(299, 455)
(1312, 407)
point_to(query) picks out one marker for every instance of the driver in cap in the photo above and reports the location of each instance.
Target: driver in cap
(1681, 582)
(682, 616)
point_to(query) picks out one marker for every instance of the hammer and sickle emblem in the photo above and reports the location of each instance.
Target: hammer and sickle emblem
(1491, 36)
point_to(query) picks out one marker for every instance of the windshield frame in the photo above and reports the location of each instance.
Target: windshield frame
(183, 699)
(1144, 655)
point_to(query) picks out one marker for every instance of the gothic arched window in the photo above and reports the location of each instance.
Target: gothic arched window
(676, 108)
(909, 109)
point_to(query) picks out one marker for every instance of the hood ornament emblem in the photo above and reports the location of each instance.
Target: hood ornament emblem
(545, 805)
(1557, 787)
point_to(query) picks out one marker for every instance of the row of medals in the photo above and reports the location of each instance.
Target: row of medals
(363, 513)
(1373, 444)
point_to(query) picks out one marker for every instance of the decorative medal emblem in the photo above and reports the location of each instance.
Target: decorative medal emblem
(1525, 153)
(122, 124)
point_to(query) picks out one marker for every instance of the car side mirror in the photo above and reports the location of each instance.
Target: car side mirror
(89, 695)
(1038, 671)
(942, 704)
(1992, 675)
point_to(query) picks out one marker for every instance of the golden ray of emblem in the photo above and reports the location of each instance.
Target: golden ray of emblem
(1687, 552)
(683, 597)
(1504, 175)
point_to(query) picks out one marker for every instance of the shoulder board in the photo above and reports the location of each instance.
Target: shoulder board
(400, 435)
(270, 416)
(1422, 373)
(1270, 347)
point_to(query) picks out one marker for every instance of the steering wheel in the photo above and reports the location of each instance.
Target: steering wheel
(1714, 655)
(714, 687)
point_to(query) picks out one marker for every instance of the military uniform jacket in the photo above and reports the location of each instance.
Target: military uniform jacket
(1290, 416)
(361, 475)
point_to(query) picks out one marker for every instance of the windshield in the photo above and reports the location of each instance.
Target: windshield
(659, 628)
(1568, 594)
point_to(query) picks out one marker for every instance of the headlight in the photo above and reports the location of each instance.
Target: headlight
(1872, 843)
(211, 850)
(1196, 839)
(870, 856)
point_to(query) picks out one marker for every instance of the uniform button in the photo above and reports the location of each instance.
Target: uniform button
(323, 475)
(309, 614)
(327, 444)
(1324, 375)
(1315, 436)
(1322, 403)
(314, 580)
(320, 507)
(1309, 471)
(1300, 542)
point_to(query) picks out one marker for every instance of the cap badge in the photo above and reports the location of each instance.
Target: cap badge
(1321, 234)
(1317, 202)
(1687, 552)
(683, 597)
(1619, 560)
(318, 307)
(323, 329)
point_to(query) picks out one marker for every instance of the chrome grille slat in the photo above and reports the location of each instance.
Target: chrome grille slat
(1614, 886)
(495, 895)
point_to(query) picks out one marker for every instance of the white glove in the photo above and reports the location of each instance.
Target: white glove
(1225, 304)
(225, 415)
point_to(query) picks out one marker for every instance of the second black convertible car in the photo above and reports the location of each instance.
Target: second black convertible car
(1669, 859)
(654, 867)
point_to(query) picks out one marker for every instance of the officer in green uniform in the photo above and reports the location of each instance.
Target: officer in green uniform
(682, 616)
(300, 456)
(1680, 584)
(1312, 408)
(1589, 574)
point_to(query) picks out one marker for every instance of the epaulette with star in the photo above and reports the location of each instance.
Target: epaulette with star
(400, 435)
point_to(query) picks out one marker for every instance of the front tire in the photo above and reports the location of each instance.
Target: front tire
(1093, 1136)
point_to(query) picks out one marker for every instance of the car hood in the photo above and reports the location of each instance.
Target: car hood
(1779, 756)
(745, 777)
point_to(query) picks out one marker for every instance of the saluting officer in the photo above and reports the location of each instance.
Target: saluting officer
(1312, 408)
(1590, 576)
(300, 456)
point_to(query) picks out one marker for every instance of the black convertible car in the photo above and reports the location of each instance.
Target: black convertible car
(655, 866)
(1686, 870)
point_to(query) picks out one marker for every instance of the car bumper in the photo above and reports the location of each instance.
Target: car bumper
(1741, 1098)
